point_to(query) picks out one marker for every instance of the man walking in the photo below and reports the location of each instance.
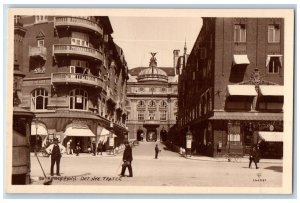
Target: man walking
(157, 150)
(127, 159)
(253, 157)
(56, 151)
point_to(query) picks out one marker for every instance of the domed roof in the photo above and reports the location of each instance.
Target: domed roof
(156, 71)
(152, 73)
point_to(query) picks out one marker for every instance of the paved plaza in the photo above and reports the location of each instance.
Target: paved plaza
(170, 169)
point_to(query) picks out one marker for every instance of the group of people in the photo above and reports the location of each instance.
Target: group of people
(91, 148)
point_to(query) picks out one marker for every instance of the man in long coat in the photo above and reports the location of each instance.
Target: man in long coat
(253, 156)
(127, 159)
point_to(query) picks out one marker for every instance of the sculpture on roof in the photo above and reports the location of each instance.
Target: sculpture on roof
(153, 60)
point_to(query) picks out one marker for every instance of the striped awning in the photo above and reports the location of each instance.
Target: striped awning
(247, 116)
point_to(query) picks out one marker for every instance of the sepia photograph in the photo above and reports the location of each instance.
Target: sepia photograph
(151, 101)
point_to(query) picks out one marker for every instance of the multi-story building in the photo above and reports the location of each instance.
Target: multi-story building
(231, 88)
(151, 101)
(75, 79)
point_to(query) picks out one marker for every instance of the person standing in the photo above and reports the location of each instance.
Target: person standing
(127, 159)
(77, 148)
(56, 150)
(69, 147)
(253, 157)
(100, 148)
(93, 145)
(157, 150)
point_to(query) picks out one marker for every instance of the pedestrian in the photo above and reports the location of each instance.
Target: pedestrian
(157, 150)
(77, 148)
(56, 150)
(100, 148)
(253, 157)
(127, 159)
(94, 147)
(69, 147)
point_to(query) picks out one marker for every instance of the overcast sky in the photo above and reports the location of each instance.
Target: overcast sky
(138, 36)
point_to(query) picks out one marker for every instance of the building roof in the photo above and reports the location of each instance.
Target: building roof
(170, 71)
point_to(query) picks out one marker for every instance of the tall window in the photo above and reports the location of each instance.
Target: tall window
(240, 33)
(163, 115)
(273, 33)
(141, 115)
(151, 115)
(163, 104)
(39, 99)
(274, 64)
(78, 99)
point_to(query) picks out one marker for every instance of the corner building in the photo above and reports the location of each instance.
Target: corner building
(231, 88)
(151, 101)
(75, 81)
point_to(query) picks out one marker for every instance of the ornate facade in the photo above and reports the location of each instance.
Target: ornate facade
(151, 101)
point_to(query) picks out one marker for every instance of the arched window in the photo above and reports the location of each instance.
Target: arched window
(141, 104)
(78, 99)
(152, 104)
(39, 99)
(163, 104)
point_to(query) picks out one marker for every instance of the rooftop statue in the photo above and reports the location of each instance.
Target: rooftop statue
(153, 60)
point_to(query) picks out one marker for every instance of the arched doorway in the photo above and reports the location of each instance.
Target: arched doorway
(139, 135)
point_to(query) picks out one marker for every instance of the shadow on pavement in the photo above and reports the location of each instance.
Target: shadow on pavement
(275, 168)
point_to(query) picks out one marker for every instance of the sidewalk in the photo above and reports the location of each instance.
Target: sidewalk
(104, 154)
(223, 159)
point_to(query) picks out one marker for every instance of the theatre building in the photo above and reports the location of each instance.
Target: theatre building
(151, 101)
(75, 79)
(231, 89)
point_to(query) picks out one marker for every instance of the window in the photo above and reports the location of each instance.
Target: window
(274, 64)
(141, 115)
(234, 131)
(78, 99)
(151, 115)
(41, 19)
(75, 69)
(39, 99)
(80, 39)
(40, 43)
(273, 33)
(240, 33)
(163, 115)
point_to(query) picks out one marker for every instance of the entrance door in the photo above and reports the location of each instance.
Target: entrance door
(151, 136)
(139, 135)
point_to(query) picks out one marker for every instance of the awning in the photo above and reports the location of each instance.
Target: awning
(40, 130)
(269, 58)
(247, 116)
(269, 136)
(104, 132)
(271, 90)
(78, 132)
(240, 59)
(241, 90)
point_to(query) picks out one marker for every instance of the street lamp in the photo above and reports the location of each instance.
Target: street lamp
(36, 125)
(189, 138)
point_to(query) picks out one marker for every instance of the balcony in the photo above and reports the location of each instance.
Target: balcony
(68, 49)
(38, 52)
(77, 78)
(77, 22)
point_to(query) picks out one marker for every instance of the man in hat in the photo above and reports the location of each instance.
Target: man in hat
(127, 159)
(56, 150)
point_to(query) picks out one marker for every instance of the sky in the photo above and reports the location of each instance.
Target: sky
(138, 36)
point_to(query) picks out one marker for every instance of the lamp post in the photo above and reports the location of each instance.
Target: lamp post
(36, 123)
(189, 138)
